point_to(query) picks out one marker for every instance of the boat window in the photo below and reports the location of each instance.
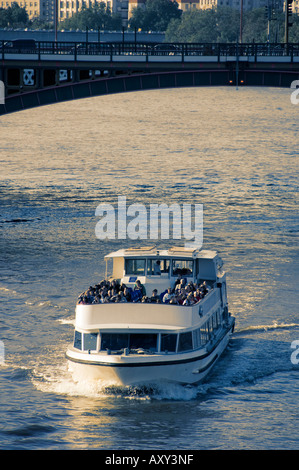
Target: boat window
(184, 267)
(143, 341)
(90, 341)
(196, 338)
(78, 340)
(156, 267)
(135, 266)
(216, 320)
(114, 341)
(168, 342)
(185, 341)
(204, 334)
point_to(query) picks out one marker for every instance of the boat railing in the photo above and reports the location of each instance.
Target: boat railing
(208, 302)
(147, 315)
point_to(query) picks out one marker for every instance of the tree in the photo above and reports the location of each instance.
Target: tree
(223, 25)
(228, 24)
(195, 26)
(155, 16)
(95, 17)
(294, 30)
(13, 16)
(255, 26)
(3, 17)
(38, 23)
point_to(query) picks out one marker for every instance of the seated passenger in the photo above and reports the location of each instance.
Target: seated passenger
(182, 294)
(181, 285)
(193, 286)
(155, 297)
(122, 287)
(178, 280)
(90, 294)
(97, 299)
(114, 283)
(114, 295)
(139, 286)
(168, 296)
(205, 287)
(84, 300)
(189, 300)
(197, 295)
(127, 294)
(103, 291)
(120, 297)
(174, 301)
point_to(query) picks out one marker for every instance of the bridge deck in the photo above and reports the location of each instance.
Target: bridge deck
(145, 58)
(49, 72)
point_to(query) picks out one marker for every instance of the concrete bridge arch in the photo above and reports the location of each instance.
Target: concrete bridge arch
(147, 81)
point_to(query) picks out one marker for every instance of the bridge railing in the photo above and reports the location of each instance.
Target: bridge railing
(77, 49)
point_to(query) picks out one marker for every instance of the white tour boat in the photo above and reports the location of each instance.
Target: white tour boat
(144, 341)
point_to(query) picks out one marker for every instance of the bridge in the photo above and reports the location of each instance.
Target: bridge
(36, 73)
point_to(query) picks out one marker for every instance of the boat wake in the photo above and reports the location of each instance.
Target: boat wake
(59, 381)
(273, 326)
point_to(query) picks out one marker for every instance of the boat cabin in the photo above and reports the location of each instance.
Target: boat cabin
(159, 269)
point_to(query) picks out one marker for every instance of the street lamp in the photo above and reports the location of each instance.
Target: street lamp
(55, 18)
(241, 20)
(288, 15)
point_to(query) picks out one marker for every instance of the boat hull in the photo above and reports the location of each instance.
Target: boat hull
(180, 368)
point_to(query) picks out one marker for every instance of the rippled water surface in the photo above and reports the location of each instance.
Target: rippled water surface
(234, 151)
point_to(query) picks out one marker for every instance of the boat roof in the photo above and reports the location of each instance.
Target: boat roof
(154, 252)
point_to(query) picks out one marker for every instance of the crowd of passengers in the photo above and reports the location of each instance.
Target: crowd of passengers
(182, 293)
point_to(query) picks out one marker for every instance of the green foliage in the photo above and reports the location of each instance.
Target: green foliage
(195, 26)
(95, 17)
(155, 16)
(13, 16)
(223, 25)
(228, 24)
(37, 23)
(294, 30)
(255, 26)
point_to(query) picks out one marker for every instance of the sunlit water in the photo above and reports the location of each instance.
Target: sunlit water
(234, 151)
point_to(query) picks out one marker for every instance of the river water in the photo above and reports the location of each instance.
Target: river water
(235, 152)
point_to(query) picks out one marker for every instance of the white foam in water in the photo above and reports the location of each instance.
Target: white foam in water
(274, 326)
(5, 289)
(67, 321)
(172, 391)
(59, 380)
